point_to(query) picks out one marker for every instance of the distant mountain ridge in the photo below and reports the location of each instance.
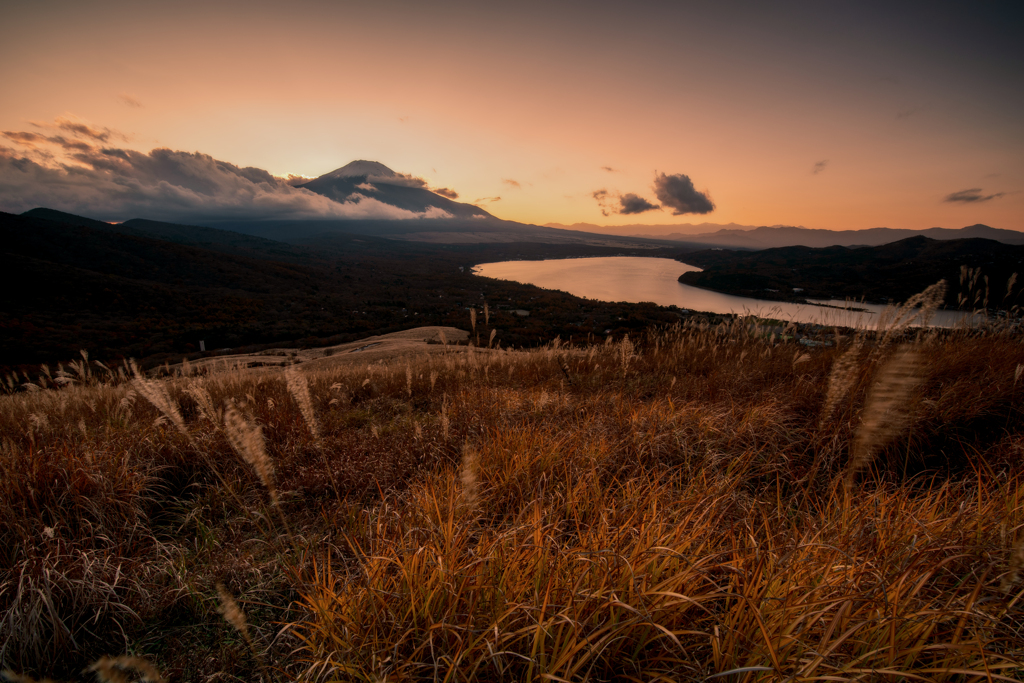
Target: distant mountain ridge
(889, 272)
(769, 237)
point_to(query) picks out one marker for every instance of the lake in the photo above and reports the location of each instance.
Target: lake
(635, 279)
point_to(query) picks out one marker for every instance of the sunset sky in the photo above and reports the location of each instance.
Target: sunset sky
(843, 115)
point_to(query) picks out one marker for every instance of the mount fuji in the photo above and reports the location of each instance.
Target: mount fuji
(373, 179)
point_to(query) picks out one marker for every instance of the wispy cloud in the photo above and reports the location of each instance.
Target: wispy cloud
(487, 200)
(678, 193)
(972, 196)
(819, 166)
(25, 138)
(512, 183)
(130, 101)
(609, 169)
(37, 141)
(80, 128)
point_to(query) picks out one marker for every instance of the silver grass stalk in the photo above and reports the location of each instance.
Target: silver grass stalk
(918, 308)
(841, 379)
(1016, 566)
(247, 440)
(469, 476)
(232, 613)
(202, 398)
(299, 390)
(155, 392)
(116, 670)
(886, 409)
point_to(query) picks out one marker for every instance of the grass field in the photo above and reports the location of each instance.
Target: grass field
(703, 502)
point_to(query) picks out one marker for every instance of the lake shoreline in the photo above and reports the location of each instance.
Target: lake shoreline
(637, 279)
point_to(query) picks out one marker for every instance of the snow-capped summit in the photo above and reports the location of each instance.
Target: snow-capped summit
(360, 167)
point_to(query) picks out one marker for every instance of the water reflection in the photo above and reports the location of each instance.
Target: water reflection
(635, 279)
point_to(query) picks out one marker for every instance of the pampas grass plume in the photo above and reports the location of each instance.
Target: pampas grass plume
(299, 390)
(232, 613)
(841, 379)
(247, 440)
(156, 393)
(116, 670)
(469, 476)
(885, 412)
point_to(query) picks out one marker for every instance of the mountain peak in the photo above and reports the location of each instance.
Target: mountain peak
(359, 168)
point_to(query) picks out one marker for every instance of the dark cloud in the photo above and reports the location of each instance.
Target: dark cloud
(629, 203)
(116, 184)
(677, 193)
(632, 203)
(512, 183)
(71, 145)
(609, 169)
(129, 100)
(971, 196)
(819, 166)
(445, 192)
(487, 200)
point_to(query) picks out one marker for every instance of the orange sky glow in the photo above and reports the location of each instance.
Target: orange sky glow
(826, 115)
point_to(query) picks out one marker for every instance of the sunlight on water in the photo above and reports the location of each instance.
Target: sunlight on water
(636, 279)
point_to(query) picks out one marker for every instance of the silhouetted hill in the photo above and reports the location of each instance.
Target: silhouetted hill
(893, 271)
(68, 218)
(225, 241)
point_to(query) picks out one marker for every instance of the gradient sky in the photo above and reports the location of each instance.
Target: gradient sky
(844, 115)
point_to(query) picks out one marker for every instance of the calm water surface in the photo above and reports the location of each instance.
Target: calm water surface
(635, 279)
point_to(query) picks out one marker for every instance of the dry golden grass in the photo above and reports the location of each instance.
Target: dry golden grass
(696, 502)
